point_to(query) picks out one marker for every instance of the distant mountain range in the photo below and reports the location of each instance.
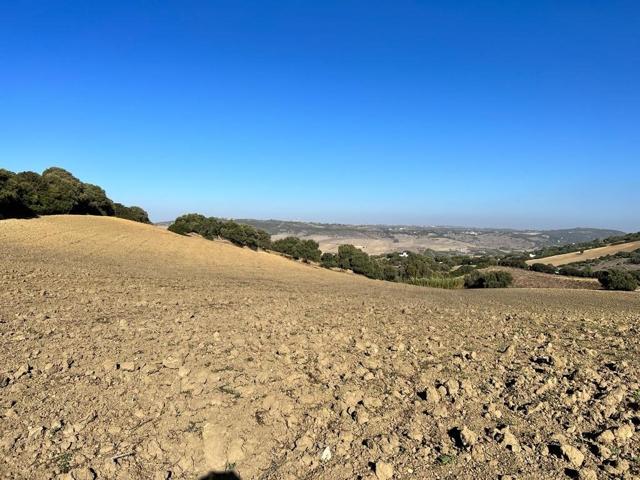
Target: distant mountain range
(376, 239)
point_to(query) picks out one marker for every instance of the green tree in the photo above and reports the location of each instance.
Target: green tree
(329, 260)
(493, 279)
(543, 268)
(134, 213)
(617, 280)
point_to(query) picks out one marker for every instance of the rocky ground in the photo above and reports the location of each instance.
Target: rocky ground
(127, 352)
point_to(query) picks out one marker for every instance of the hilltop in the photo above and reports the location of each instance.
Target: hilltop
(130, 352)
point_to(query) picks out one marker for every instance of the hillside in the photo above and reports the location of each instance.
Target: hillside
(530, 279)
(590, 254)
(378, 239)
(129, 352)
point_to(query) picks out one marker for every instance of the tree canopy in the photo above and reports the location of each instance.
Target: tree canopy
(57, 192)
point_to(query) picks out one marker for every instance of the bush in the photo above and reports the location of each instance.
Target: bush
(329, 260)
(462, 270)
(389, 273)
(570, 271)
(245, 235)
(617, 280)
(136, 214)
(438, 282)
(634, 259)
(307, 250)
(515, 262)
(543, 268)
(352, 258)
(493, 279)
(211, 227)
(189, 223)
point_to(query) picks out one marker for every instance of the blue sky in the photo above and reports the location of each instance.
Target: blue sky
(505, 113)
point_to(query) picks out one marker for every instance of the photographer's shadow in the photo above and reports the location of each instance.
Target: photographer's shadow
(220, 476)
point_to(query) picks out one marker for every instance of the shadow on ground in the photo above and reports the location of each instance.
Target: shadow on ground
(220, 476)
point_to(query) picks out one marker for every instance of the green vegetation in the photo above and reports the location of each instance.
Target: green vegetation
(329, 260)
(211, 227)
(136, 214)
(618, 280)
(579, 247)
(445, 459)
(307, 250)
(513, 261)
(57, 192)
(492, 279)
(64, 462)
(635, 258)
(438, 282)
(542, 267)
(572, 271)
(352, 258)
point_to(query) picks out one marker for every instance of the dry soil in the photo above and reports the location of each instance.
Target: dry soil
(128, 352)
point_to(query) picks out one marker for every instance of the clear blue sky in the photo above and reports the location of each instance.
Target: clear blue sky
(505, 113)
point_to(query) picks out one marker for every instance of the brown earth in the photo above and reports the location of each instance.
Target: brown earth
(128, 352)
(529, 279)
(590, 254)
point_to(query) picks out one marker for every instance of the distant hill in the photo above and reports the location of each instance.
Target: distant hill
(586, 255)
(375, 239)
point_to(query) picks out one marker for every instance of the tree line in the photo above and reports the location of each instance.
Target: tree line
(408, 267)
(57, 192)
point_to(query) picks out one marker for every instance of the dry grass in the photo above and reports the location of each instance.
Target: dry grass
(565, 258)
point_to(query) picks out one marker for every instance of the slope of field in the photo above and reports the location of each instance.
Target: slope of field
(529, 279)
(558, 260)
(127, 352)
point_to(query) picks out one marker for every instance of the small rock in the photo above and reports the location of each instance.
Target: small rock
(430, 394)
(22, 371)
(572, 454)
(452, 386)
(172, 362)
(83, 473)
(587, 474)
(624, 433)
(606, 437)
(467, 437)
(128, 366)
(384, 471)
(325, 456)
(509, 440)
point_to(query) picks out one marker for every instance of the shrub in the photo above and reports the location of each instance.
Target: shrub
(515, 262)
(352, 258)
(462, 270)
(136, 214)
(307, 250)
(543, 268)
(245, 235)
(493, 279)
(189, 223)
(329, 260)
(438, 282)
(389, 273)
(617, 280)
(570, 271)
(634, 259)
